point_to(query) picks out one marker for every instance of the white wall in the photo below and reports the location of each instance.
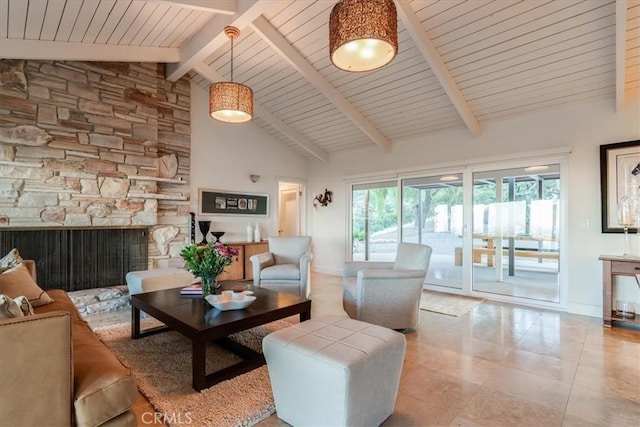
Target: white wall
(583, 126)
(224, 155)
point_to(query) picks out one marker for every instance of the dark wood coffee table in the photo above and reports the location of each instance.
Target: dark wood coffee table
(194, 318)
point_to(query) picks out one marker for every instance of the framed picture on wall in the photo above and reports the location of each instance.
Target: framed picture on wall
(620, 186)
(220, 202)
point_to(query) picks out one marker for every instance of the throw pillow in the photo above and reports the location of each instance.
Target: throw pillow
(17, 281)
(10, 260)
(14, 307)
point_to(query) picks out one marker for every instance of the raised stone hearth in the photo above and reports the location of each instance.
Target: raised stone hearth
(101, 300)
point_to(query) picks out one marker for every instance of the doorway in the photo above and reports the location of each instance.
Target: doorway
(290, 208)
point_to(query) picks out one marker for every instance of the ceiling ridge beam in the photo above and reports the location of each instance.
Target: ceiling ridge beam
(213, 76)
(271, 36)
(621, 50)
(437, 65)
(71, 51)
(211, 37)
(224, 7)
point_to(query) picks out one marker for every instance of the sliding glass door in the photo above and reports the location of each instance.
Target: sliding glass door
(516, 232)
(432, 213)
(374, 221)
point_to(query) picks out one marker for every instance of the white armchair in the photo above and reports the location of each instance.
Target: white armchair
(285, 268)
(387, 293)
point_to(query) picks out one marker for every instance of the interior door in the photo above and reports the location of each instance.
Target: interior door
(289, 217)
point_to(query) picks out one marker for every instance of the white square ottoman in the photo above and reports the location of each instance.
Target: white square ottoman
(143, 281)
(333, 371)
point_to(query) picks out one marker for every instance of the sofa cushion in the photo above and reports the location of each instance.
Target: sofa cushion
(61, 301)
(10, 260)
(281, 272)
(17, 281)
(14, 307)
(103, 387)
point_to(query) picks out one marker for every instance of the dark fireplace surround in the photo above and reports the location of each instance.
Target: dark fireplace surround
(80, 258)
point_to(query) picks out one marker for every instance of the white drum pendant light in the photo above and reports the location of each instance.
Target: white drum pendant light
(229, 101)
(363, 34)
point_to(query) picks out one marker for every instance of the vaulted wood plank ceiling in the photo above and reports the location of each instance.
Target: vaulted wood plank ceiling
(460, 63)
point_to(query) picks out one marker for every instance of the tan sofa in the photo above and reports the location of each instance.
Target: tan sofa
(54, 371)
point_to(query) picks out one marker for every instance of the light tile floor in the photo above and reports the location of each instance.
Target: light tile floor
(502, 365)
(508, 365)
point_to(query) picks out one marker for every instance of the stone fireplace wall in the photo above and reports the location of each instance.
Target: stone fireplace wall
(91, 144)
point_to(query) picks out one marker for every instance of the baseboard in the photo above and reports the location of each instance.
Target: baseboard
(326, 270)
(584, 309)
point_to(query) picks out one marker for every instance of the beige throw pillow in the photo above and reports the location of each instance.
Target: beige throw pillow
(14, 307)
(10, 260)
(17, 281)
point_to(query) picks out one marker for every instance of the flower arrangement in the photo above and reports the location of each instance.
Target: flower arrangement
(208, 262)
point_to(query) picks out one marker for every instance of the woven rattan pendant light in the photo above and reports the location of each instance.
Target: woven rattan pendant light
(229, 101)
(363, 34)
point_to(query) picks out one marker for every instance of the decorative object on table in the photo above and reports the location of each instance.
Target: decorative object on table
(619, 178)
(194, 289)
(217, 235)
(363, 34)
(192, 227)
(220, 202)
(239, 288)
(208, 262)
(249, 233)
(256, 233)
(625, 309)
(204, 229)
(323, 199)
(627, 213)
(228, 300)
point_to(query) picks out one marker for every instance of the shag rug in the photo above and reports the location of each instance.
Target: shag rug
(449, 304)
(161, 365)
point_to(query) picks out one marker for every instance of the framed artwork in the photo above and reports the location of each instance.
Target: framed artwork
(220, 202)
(619, 185)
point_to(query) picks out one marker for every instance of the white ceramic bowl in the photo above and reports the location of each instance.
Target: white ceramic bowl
(224, 302)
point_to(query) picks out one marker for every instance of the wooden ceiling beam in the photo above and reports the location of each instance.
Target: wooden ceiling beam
(272, 37)
(69, 51)
(213, 76)
(437, 65)
(211, 37)
(621, 51)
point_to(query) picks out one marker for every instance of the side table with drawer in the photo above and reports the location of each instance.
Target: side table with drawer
(616, 266)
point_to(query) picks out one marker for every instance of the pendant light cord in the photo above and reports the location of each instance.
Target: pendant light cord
(232, 59)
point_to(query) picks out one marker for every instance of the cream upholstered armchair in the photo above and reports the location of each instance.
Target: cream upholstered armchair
(285, 268)
(387, 293)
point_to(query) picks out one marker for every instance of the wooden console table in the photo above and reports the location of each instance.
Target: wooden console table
(242, 269)
(616, 266)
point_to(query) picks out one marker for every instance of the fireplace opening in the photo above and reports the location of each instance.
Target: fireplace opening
(76, 259)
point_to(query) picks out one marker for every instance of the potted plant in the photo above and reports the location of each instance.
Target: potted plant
(208, 262)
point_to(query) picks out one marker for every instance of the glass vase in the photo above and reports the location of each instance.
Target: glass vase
(210, 285)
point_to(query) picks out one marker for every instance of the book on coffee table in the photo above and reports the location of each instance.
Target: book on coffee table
(194, 289)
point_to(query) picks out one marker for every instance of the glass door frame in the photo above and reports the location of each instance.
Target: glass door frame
(467, 251)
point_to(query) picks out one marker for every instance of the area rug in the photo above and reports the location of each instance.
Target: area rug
(161, 365)
(449, 304)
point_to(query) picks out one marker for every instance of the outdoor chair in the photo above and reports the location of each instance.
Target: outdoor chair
(387, 293)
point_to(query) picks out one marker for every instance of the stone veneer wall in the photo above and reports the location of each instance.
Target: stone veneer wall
(93, 144)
